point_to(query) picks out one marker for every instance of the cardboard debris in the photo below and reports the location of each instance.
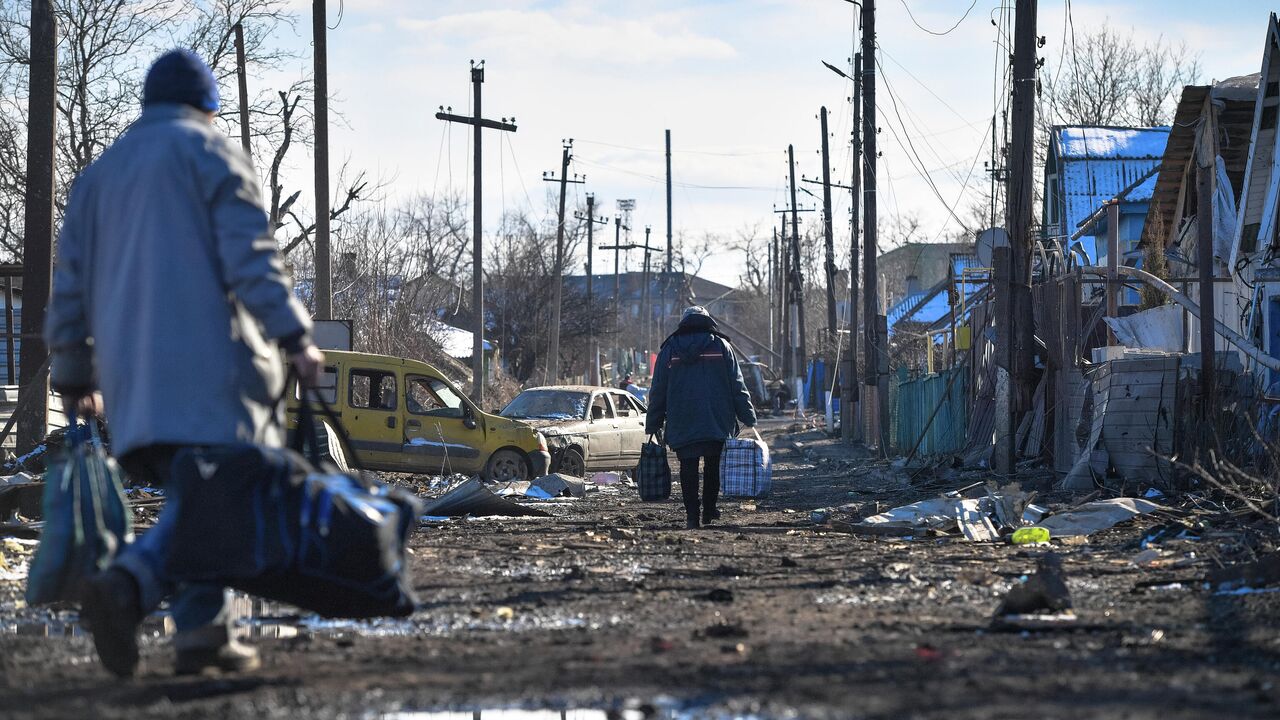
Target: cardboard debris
(473, 498)
(1096, 516)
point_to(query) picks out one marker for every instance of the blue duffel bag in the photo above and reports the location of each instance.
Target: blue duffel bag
(294, 529)
(86, 520)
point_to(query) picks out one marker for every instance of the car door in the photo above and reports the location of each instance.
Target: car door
(631, 418)
(372, 418)
(603, 440)
(438, 439)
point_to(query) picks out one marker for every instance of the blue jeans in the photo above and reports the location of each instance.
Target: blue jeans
(201, 612)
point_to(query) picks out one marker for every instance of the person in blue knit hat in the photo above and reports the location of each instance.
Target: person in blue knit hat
(170, 297)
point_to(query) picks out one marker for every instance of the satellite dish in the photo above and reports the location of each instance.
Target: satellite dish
(988, 240)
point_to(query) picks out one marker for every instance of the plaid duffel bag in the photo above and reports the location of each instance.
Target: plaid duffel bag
(653, 474)
(745, 469)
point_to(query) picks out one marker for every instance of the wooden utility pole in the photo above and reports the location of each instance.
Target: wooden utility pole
(37, 242)
(828, 234)
(477, 123)
(646, 312)
(553, 362)
(242, 83)
(324, 270)
(871, 300)
(773, 251)
(1018, 221)
(593, 367)
(797, 283)
(851, 420)
(784, 302)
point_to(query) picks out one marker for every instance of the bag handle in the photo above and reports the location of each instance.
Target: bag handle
(306, 429)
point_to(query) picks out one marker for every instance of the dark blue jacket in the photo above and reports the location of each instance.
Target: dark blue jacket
(697, 391)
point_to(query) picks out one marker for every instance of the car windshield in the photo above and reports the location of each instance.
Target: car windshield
(548, 405)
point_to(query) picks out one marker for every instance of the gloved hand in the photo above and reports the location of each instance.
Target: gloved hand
(71, 375)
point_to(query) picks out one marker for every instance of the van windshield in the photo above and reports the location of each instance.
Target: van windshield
(548, 405)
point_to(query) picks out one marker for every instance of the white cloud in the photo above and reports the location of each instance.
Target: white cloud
(657, 39)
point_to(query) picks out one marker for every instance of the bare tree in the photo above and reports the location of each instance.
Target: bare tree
(1107, 78)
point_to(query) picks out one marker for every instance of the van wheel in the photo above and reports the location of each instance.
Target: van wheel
(572, 463)
(506, 466)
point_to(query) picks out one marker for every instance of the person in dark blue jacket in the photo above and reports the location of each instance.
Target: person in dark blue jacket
(699, 395)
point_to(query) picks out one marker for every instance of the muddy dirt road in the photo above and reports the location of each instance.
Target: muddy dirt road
(609, 607)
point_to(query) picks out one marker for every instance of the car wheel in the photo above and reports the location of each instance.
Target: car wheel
(572, 463)
(506, 466)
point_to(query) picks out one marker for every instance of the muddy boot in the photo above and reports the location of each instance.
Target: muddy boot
(691, 521)
(709, 515)
(211, 649)
(109, 606)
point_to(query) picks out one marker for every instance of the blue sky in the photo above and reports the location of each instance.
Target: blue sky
(735, 81)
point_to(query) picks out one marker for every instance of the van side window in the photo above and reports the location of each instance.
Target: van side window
(372, 389)
(328, 387)
(432, 396)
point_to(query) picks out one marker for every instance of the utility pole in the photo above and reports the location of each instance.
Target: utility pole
(666, 284)
(784, 302)
(242, 81)
(553, 362)
(617, 247)
(646, 312)
(1018, 222)
(773, 252)
(797, 284)
(324, 271)
(851, 422)
(593, 368)
(477, 123)
(37, 242)
(828, 234)
(871, 300)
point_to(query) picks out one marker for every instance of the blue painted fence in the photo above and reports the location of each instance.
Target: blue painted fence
(914, 404)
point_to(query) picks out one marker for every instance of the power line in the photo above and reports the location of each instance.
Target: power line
(934, 32)
(912, 153)
(660, 151)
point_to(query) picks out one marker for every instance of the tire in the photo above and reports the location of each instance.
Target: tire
(572, 463)
(506, 466)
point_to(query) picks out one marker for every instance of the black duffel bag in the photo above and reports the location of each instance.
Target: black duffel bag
(294, 529)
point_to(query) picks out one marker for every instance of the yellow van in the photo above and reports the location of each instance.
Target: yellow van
(404, 416)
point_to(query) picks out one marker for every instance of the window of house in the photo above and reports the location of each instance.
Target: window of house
(372, 389)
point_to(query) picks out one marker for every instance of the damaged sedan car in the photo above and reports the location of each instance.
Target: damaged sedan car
(587, 428)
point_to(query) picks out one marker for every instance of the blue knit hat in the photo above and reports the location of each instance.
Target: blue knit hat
(181, 77)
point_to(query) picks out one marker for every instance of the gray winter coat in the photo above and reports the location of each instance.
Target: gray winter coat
(166, 266)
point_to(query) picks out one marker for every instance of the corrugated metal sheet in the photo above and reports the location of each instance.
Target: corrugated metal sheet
(1076, 142)
(1087, 184)
(904, 306)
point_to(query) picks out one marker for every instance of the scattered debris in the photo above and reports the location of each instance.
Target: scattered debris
(473, 498)
(1029, 536)
(1096, 516)
(559, 484)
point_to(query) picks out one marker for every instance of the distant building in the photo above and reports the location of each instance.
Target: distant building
(914, 268)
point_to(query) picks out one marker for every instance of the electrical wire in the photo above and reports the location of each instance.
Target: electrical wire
(934, 32)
